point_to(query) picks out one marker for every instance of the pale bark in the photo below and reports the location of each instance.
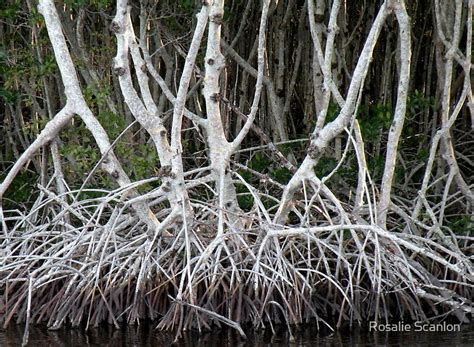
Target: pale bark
(215, 126)
(146, 111)
(49, 132)
(362, 172)
(453, 31)
(220, 150)
(319, 88)
(320, 141)
(275, 105)
(218, 145)
(399, 114)
(77, 105)
(179, 107)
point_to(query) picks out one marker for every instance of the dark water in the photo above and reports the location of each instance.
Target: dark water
(147, 336)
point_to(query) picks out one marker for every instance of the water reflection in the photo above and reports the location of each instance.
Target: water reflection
(147, 336)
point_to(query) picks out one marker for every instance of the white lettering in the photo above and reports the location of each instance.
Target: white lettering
(373, 326)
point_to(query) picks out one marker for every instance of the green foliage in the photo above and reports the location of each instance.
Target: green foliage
(292, 147)
(182, 17)
(7, 93)
(244, 198)
(143, 161)
(374, 119)
(325, 166)
(281, 175)
(3, 55)
(96, 96)
(93, 4)
(376, 166)
(259, 162)
(333, 112)
(48, 66)
(138, 159)
(9, 96)
(461, 225)
(187, 5)
(423, 154)
(9, 9)
(22, 189)
(171, 22)
(418, 102)
(228, 14)
(19, 63)
(265, 165)
(85, 154)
